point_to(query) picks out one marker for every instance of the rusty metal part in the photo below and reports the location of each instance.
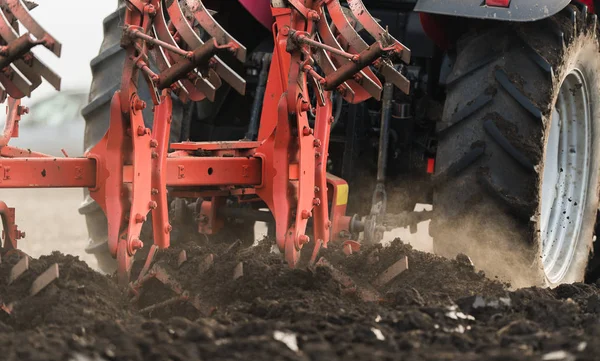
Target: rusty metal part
(214, 29)
(21, 12)
(347, 71)
(190, 37)
(372, 26)
(198, 58)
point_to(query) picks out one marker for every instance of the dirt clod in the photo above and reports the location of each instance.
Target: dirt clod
(436, 309)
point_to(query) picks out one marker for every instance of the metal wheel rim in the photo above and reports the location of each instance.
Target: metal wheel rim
(565, 179)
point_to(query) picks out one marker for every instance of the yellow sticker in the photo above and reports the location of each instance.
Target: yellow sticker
(342, 195)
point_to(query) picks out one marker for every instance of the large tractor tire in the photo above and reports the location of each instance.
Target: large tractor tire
(519, 155)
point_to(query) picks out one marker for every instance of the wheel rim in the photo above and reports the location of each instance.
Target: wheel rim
(566, 176)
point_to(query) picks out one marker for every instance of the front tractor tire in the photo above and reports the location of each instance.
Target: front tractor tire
(519, 155)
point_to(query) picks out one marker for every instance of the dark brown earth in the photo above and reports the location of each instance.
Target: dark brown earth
(437, 310)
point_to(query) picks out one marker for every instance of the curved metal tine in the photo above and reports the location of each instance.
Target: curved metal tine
(213, 28)
(15, 86)
(325, 63)
(368, 80)
(37, 68)
(365, 18)
(351, 36)
(162, 33)
(20, 11)
(342, 24)
(393, 76)
(8, 33)
(193, 40)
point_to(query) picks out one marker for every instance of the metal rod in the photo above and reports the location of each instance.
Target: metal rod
(347, 71)
(379, 201)
(183, 66)
(386, 112)
(302, 38)
(138, 34)
(258, 97)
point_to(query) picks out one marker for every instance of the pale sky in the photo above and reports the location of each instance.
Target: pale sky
(77, 24)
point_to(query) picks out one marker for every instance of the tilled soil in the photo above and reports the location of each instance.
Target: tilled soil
(438, 309)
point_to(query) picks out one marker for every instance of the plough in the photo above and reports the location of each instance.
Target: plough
(318, 51)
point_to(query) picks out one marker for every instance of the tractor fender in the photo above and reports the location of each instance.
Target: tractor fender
(518, 10)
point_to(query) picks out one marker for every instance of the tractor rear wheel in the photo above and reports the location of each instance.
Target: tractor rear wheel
(518, 157)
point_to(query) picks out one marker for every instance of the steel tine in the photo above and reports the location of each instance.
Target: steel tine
(351, 36)
(342, 24)
(162, 32)
(16, 91)
(368, 80)
(393, 76)
(19, 10)
(213, 28)
(8, 33)
(18, 79)
(365, 18)
(193, 40)
(42, 69)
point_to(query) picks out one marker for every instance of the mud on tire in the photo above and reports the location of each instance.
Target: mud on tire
(492, 144)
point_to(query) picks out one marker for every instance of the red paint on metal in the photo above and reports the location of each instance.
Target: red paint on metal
(261, 11)
(430, 165)
(590, 5)
(498, 3)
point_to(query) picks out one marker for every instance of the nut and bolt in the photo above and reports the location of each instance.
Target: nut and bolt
(152, 205)
(154, 155)
(22, 110)
(153, 143)
(306, 214)
(154, 191)
(313, 15)
(303, 239)
(136, 244)
(317, 143)
(139, 104)
(139, 218)
(305, 106)
(316, 202)
(306, 131)
(168, 228)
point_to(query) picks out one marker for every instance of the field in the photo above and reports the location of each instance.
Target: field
(438, 309)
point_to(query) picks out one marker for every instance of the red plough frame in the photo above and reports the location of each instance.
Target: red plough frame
(129, 171)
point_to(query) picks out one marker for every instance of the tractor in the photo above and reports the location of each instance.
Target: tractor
(329, 120)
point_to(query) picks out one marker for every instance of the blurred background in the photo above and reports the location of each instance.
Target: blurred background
(49, 216)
